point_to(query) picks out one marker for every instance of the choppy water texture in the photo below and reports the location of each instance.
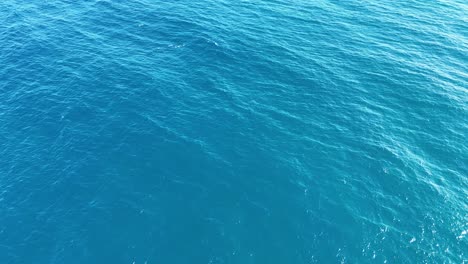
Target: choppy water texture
(150, 131)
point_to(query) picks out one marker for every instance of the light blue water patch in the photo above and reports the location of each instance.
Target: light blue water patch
(233, 131)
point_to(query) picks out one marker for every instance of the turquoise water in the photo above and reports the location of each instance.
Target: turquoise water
(218, 131)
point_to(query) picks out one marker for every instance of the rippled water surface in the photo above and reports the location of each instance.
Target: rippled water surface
(215, 131)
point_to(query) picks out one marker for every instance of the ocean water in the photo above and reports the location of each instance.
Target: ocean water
(303, 131)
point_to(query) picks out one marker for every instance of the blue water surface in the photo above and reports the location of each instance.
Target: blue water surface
(216, 131)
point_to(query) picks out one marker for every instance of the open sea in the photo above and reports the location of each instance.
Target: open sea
(243, 132)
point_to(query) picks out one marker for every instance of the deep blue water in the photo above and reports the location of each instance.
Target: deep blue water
(215, 131)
